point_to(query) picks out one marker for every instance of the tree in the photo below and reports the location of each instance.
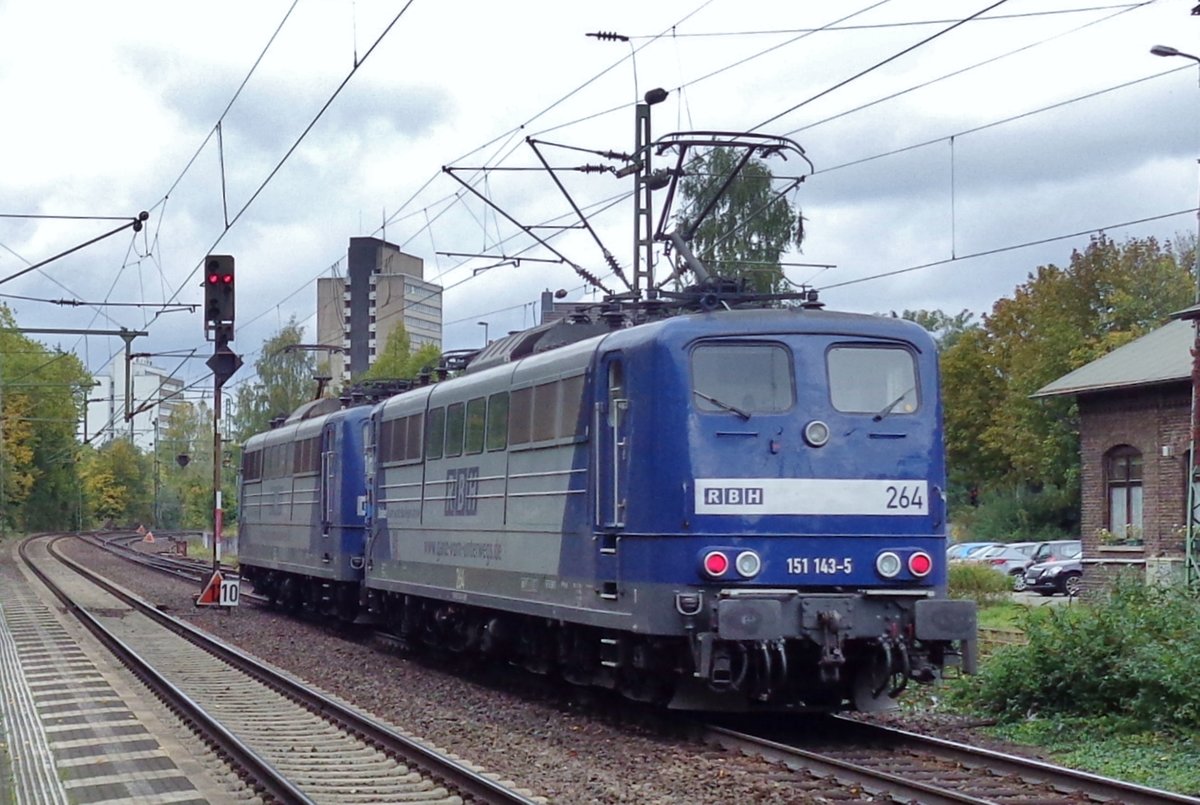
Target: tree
(749, 228)
(285, 382)
(185, 492)
(1055, 322)
(117, 483)
(946, 329)
(40, 405)
(398, 359)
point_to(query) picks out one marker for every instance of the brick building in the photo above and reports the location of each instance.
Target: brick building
(1134, 405)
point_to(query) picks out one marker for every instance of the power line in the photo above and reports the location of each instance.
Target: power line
(879, 64)
(877, 26)
(1013, 247)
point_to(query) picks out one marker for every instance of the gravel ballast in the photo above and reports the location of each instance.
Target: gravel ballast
(539, 740)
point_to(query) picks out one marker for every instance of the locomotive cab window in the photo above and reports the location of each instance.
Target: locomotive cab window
(742, 378)
(872, 380)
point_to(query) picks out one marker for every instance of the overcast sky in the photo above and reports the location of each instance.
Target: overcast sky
(968, 159)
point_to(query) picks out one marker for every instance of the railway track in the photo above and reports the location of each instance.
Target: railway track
(908, 767)
(290, 743)
(900, 766)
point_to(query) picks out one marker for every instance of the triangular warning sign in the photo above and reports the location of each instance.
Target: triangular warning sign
(211, 596)
(149, 537)
(141, 529)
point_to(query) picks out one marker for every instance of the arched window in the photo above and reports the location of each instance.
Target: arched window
(1123, 481)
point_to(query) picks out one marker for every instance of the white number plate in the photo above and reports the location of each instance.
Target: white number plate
(820, 565)
(752, 496)
(230, 593)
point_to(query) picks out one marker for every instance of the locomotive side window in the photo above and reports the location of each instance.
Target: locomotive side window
(872, 380)
(436, 432)
(416, 424)
(455, 424)
(397, 438)
(385, 440)
(308, 456)
(520, 416)
(616, 390)
(742, 378)
(572, 401)
(252, 466)
(545, 411)
(475, 419)
(497, 421)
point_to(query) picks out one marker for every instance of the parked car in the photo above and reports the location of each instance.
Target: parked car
(1052, 550)
(1063, 576)
(962, 550)
(1012, 559)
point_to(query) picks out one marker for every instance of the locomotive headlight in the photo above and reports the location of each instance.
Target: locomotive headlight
(920, 563)
(715, 563)
(816, 433)
(748, 564)
(888, 565)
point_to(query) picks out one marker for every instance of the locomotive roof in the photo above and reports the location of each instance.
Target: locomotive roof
(547, 337)
(790, 320)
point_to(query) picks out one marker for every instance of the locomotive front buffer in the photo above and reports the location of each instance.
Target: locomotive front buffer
(780, 646)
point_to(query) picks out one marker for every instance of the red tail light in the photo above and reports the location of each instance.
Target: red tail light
(995, 561)
(920, 563)
(715, 563)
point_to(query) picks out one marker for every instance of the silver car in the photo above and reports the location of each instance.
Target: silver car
(1012, 560)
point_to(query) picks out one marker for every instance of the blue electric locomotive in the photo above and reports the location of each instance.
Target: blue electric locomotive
(302, 507)
(733, 510)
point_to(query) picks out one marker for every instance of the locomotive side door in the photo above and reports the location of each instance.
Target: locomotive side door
(610, 463)
(612, 444)
(328, 479)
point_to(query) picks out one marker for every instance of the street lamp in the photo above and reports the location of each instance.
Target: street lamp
(1191, 561)
(484, 325)
(1167, 50)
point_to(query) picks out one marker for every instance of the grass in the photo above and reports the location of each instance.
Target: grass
(1003, 616)
(1096, 745)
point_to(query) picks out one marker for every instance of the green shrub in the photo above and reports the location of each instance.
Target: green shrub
(984, 584)
(1134, 656)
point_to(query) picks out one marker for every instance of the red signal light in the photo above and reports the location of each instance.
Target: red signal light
(920, 563)
(227, 279)
(716, 563)
(212, 279)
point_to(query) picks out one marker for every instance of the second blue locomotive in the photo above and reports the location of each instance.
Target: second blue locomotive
(732, 510)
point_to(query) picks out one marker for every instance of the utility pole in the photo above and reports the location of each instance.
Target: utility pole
(643, 219)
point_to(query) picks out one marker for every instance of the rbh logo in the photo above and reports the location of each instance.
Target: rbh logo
(733, 496)
(462, 490)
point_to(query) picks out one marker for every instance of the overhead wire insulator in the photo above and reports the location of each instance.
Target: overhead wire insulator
(609, 36)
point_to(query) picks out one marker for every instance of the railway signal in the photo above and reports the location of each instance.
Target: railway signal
(219, 288)
(219, 291)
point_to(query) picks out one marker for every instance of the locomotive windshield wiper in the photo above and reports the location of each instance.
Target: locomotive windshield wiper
(721, 404)
(887, 409)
